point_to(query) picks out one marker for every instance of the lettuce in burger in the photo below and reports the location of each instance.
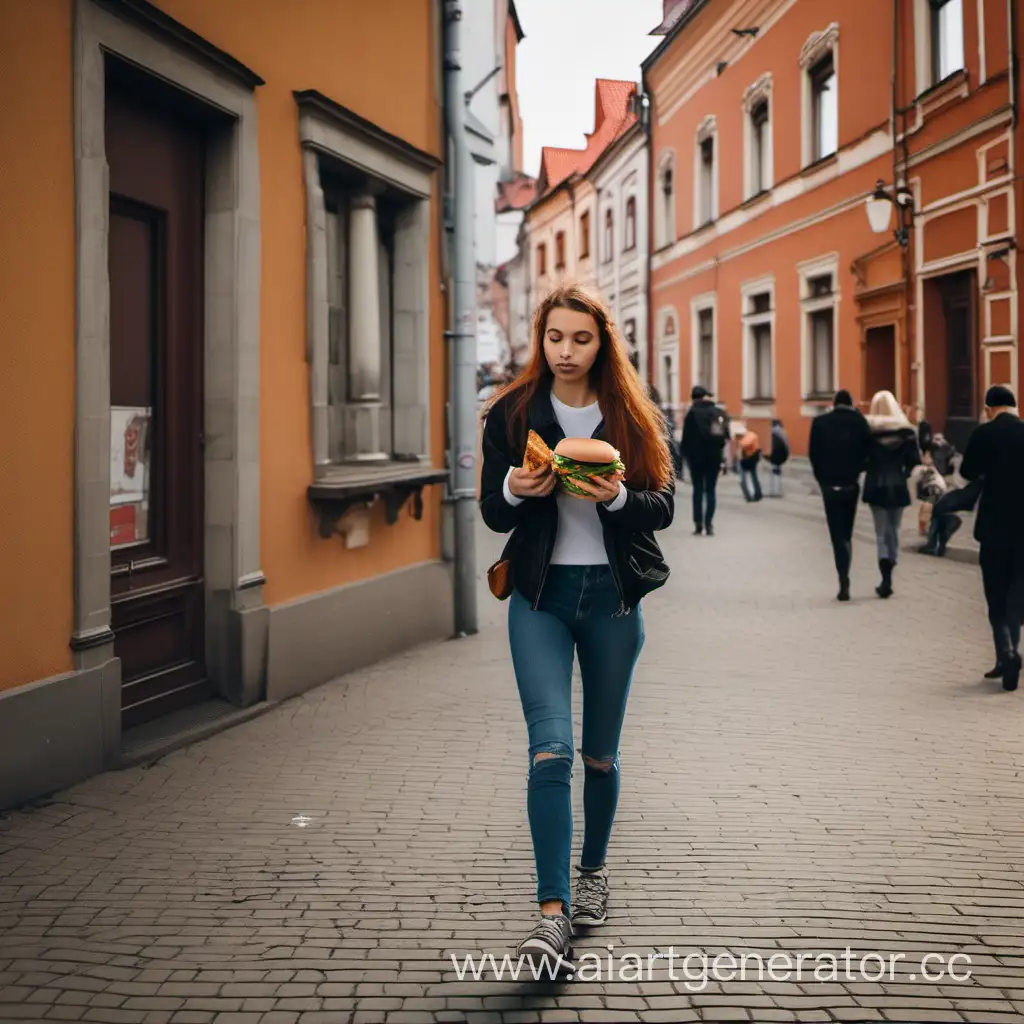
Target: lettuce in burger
(580, 458)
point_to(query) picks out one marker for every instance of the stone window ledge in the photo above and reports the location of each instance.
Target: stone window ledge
(343, 488)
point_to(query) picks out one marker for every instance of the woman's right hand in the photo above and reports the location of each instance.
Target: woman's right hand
(538, 483)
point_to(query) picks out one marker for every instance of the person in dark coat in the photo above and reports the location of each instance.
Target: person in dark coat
(838, 452)
(892, 456)
(995, 455)
(705, 432)
(777, 458)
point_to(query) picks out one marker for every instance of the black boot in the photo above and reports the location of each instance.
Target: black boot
(698, 529)
(1011, 671)
(884, 589)
(844, 588)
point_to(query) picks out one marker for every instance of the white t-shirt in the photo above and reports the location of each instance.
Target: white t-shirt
(580, 539)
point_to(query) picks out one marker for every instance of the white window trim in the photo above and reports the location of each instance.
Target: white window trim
(759, 91)
(626, 196)
(807, 271)
(708, 129)
(668, 345)
(665, 227)
(701, 304)
(923, 73)
(818, 46)
(757, 286)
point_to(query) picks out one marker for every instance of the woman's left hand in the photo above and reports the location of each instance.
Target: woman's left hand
(601, 488)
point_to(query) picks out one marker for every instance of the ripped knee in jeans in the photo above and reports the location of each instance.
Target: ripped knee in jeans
(550, 752)
(600, 765)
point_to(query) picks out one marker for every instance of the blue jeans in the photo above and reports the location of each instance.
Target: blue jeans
(577, 614)
(705, 481)
(887, 532)
(749, 483)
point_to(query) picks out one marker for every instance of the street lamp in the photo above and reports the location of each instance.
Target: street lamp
(879, 209)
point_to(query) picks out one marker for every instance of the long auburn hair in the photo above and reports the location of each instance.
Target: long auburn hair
(632, 422)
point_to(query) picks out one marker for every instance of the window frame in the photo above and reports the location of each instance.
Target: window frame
(935, 9)
(560, 256)
(665, 218)
(609, 236)
(754, 322)
(705, 204)
(811, 307)
(700, 306)
(819, 77)
(758, 174)
(629, 225)
(819, 48)
(584, 227)
(542, 259)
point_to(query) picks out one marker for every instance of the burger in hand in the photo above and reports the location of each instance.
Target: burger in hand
(578, 459)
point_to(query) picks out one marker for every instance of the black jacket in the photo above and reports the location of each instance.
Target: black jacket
(634, 557)
(891, 457)
(700, 449)
(838, 448)
(995, 455)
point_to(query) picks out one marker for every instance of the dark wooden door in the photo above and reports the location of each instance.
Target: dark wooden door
(156, 394)
(879, 360)
(961, 356)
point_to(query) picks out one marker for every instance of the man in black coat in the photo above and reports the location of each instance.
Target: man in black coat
(995, 455)
(705, 431)
(838, 451)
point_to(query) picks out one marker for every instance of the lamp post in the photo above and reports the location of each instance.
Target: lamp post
(879, 210)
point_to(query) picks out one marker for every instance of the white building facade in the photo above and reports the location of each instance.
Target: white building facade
(620, 180)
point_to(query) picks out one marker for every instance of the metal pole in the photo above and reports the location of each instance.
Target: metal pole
(463, 337)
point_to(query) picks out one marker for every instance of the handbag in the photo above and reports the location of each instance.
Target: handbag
(499, 579)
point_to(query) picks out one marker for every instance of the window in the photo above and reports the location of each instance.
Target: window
(947, 38)
(760, 151)
(758, 382)
(560, 251)
(818, 302)
(824, 109)
(665, 223)
(609, 236)
(542, 260)
(359, 284)
(706, 348)
(706, 185)
(630, 230)
(585, 235)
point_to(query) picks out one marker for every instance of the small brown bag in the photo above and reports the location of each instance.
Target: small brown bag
(499, 579)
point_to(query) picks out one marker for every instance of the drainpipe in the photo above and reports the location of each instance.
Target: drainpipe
(462, 340)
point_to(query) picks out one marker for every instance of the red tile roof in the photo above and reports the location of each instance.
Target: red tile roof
(612, 117)
(516, 194)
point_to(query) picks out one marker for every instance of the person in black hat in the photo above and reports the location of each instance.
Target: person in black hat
(705, 431)
(839, 444)
(995, 455)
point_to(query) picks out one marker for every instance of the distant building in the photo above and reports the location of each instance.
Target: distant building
(768, 135)
(565, 239)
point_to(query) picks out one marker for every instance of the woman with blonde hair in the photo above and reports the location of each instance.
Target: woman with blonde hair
(892, 456)
(580, 561)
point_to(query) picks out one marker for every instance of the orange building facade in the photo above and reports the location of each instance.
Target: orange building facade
(224, 315)
(771, 124)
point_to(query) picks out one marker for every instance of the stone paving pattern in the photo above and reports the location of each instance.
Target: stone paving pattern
(797, 775)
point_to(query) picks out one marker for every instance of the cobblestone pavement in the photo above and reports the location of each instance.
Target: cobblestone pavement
(798, 775)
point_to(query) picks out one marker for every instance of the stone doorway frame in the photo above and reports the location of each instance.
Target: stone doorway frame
(140, 34)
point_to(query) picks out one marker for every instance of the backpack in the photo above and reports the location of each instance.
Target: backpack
(713, 425)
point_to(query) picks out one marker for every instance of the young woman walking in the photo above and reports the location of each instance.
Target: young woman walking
(580, 567)
(892, 454)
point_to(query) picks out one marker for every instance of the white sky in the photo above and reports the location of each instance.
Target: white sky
(567, 45)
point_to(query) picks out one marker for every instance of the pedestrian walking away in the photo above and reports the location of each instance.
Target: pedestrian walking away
(579, 563)
(892, 456)
(838, 451)
(749, 449)
(705, 433)
(995, 456)
(777, 458)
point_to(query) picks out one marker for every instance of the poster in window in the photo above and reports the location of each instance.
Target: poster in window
(129, 474)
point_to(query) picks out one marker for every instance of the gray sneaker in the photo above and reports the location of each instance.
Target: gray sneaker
(549, 945)
(590, 903)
